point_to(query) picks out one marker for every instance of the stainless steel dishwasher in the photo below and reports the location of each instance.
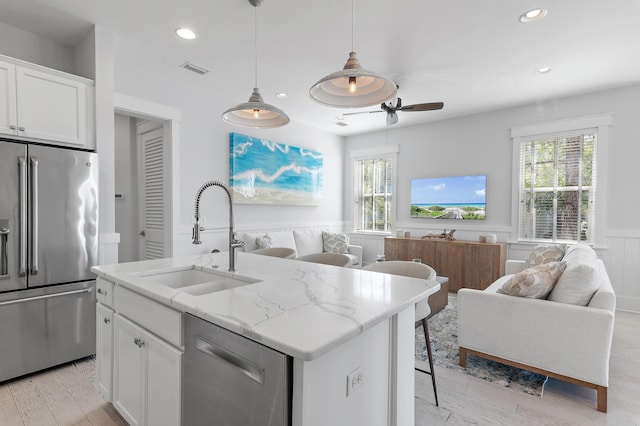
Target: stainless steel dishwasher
(229, 380)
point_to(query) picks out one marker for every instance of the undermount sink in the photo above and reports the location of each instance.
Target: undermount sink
(196, 280)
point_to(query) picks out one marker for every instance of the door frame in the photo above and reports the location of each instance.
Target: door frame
(171, 119)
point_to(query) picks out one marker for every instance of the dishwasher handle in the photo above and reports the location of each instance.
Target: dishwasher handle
(243, 366)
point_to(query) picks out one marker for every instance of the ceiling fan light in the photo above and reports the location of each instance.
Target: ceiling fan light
(392, 118)
(255, 114)
(353, 87)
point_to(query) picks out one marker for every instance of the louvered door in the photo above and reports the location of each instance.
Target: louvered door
(152, 193)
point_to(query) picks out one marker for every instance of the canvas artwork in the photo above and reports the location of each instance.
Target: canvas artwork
(266, 172)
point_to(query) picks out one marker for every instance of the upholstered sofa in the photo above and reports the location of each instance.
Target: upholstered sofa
(304, 242)
(566, 335)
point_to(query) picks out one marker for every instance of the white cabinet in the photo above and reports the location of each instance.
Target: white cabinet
(8, 117)
(147, 376)
(104, 351)
(139, 348)
(41, 104)
(104, 338)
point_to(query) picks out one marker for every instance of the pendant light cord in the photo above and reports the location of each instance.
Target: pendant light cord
(255, 44)
(353, 19)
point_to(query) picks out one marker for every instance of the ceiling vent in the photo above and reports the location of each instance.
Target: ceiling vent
(191, 67)
(341, 124)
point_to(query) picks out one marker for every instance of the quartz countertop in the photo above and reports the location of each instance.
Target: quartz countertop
(299, 308)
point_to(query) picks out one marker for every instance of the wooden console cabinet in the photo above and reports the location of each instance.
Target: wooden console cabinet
(468, 264)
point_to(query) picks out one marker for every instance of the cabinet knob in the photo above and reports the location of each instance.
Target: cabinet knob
(138, 342)
(101, 291)
(107, 320)
(21, 128)
(12, 127)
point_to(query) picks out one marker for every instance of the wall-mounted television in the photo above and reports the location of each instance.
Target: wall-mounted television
(456, 197)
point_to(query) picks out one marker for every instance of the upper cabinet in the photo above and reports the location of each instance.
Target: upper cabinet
(45, 105)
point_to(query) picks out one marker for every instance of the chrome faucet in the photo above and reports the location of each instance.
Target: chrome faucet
(234, 243)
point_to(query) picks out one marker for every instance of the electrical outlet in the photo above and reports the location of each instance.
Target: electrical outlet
(355, 379)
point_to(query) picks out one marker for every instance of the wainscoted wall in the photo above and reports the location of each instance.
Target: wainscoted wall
(621, 256)
(623, 265)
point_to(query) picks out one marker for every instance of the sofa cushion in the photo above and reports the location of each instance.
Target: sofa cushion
(335, 242)
(577, 284)
(544, 253)
(308, 241)
(535, 282)
(278, 239)
(264, 242)
(579, 253)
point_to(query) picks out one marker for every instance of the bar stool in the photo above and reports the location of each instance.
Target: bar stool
(415, 270)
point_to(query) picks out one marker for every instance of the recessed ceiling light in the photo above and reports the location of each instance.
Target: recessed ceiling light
(544, 70)
(533, 15)
(185, 33)
(281, 95)
(340, 117)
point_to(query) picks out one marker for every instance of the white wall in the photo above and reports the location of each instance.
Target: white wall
(32, 48)
(143, 71)
(481, 144)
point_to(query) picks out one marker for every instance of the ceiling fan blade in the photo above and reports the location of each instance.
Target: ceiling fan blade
(432, 106)
(362, 112)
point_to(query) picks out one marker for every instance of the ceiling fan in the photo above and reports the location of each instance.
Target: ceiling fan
(390, 109)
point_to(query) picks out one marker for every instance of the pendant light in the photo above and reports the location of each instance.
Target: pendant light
(255, 113)
(353, 86)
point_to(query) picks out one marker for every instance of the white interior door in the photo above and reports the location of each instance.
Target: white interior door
(152, 185)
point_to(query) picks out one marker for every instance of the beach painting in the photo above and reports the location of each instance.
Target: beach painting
(266, 172)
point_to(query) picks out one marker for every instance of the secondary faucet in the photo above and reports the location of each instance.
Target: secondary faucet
(234, 243)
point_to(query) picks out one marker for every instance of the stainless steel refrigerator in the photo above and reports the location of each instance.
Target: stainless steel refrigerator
(48, 242)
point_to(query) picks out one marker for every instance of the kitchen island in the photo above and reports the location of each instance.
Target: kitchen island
(348, 332)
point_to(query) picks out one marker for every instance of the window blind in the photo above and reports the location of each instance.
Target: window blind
(557, 188)
(374, 183)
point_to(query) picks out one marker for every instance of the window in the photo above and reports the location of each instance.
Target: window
(557, 188)
(373, 177)
(556, 182)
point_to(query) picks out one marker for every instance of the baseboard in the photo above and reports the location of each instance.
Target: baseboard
(629, 304)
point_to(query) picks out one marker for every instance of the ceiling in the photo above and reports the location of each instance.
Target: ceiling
(472, 55)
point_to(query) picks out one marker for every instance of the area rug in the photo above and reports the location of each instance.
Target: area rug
(443, 330)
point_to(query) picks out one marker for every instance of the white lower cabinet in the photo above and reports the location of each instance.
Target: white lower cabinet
(104, 350)
(146, 375)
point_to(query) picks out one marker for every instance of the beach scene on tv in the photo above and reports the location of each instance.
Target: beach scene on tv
(457, 197)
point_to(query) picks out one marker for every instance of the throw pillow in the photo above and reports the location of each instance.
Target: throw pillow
(335, 242)
(577, 284)
(544, 253)
(535, 282)
(579, 253)
(264, 242)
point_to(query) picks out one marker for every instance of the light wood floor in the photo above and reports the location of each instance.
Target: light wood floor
(65, 395)
(466, 400)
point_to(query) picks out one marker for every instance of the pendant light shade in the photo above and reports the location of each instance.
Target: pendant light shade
(353, 87)
(255, 113)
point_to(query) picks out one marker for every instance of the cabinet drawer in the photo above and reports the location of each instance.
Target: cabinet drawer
(104, 292)
(155, 317)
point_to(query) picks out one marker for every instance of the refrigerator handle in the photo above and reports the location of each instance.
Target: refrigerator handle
(4, 259)
(22, 270)
(34, 215)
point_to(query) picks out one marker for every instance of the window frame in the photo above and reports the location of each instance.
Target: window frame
(387, 151)
(598, 124)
